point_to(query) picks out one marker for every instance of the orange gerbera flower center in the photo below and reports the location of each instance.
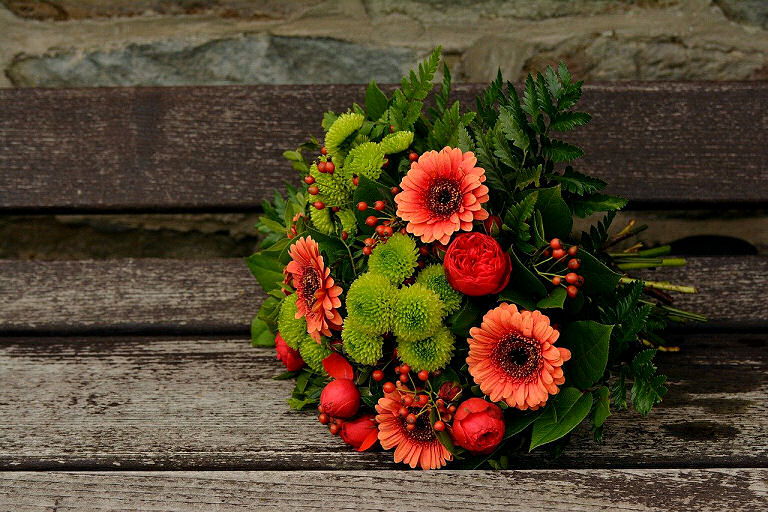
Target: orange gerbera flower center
(518, 356)
(444, 197)
(423, 432)
(310, 283)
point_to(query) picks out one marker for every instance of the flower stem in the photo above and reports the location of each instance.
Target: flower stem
(661, 285)
(640, 263)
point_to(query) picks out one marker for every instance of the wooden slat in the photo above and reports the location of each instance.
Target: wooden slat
(221, 296)
(191, 403)
(213, 148)
(671, 490)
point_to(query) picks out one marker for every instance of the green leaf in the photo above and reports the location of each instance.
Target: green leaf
(578, 183)
(444, 437)
(267, 270)
(565, 121)
(465, 318)
(512, 129)
(588, 205)
(518, 298)
(375, 101)
(568, 408)
(517, 215)
(588, 342)
(261, 335)
(526, 176)
(524, 282)
(598, 279)
(530, 99)
(555, 213)
(519, 421)
(560, 151)
(554, 300)
(647, 393)
(602, 406)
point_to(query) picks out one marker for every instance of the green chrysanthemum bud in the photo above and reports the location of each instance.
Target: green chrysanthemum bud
(417, 313)
(361, 347)
(292, 329)
(333, 189)
(348, 221)
(365, 160)
(369, 299)
(395, 259)
(313, 353)
(396, 142)
(429, 354)
(344, 126)
(321, 219)
(433, 277)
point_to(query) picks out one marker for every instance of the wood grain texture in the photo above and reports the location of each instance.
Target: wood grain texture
(193, 403)
(219, 148)
(221, 296)
(673, 490)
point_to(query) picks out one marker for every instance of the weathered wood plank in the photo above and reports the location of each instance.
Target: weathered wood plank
(220, 296)
(191, 403)
(565, 490)
(213, 148)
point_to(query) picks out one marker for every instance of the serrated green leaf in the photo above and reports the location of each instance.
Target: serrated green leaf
(561, 151)
(585, 206)
(567, 410)
(565, 121)
(517, 215)
(578, 183)
(554, 300)
(588, 342)
(602, 406)
(647, 393)
(545, 100)
(512, 129)
(530, 103)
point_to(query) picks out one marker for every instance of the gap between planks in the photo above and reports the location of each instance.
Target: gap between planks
(156, 296)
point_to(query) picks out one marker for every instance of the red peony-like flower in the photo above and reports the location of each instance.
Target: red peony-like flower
(361, 433)
(441, 194)
(478, 426)
(418, 447)
(475, 265)
(290, 358)
(318, 296)
(512, 357)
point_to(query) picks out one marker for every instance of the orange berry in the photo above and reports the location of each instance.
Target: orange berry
(395, 190)
(309, 180)
(380, 229)
(574, 264)
(405, 368)
(556, 280)
(410, 427)
(571, 277)
(439, 426)
(321, 166)
(378, 375)
(411, 418)
(367, 251)
(329, 167)
(423, 375)
(323, 150)
(572, 291)
(555, 243)
(408, 400)
(371, 221)
(412, 156)
(323, 418)
(388, 387)
(344, 235)
(403, 378)
(319, 205)
(572, 250)
(313, 190)
(388, 231)
(362, 206)
(379, 205)
(558, 253)
(333, 429)
(403, 412)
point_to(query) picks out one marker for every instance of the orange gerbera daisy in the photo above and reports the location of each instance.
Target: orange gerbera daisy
(418, 447)
(512, 357)
(441, 194)
(318, 296)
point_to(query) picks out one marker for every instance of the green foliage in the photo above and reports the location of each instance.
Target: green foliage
(309, 387)
(588, 342)
(648, 387)
(516, 221)
(375, 102)
(595, 240)
(407, 102)
(568, 408)
(578, 183)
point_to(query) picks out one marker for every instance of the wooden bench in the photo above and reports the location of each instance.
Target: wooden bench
(132, 383)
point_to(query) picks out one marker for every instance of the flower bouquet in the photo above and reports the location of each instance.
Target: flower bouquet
(426, 292)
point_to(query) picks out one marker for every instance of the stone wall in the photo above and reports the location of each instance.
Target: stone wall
(61, 43)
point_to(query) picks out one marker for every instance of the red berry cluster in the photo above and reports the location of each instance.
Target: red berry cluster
(573, 281)
(334, 424)
(382, 225)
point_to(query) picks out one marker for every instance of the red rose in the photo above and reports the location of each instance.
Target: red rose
(360, 433)
(340, 398)
(289, 357)
(478, 426)
(476, 265)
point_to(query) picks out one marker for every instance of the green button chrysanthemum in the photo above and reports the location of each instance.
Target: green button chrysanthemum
(365, 160)
(433, 277)
(369, 300)
(292, 329)
(344, 126)
(395, 259)
(313, 353)
(361, 347)
(322, 220)
(333, 189)
(417, 313)
(429, 354)
(396, 142)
